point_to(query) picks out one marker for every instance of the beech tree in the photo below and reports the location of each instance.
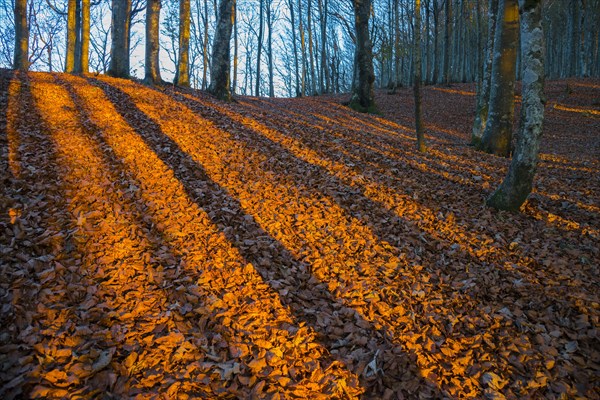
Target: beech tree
(417, 82)
(119, 51)
(221, 60)
(497, 135)
(152, 67)
(21, 52)
(363, 96)
(182, 77)
(517, 185)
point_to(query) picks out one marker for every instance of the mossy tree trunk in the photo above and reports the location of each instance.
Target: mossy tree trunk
(221, 60)
(517, 185)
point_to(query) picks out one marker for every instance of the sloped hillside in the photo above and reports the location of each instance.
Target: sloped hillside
(156, 243)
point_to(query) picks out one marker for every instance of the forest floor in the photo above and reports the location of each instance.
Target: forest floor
(156, 243)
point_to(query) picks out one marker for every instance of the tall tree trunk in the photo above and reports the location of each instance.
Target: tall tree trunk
(447, 33)
(363, 98)
(71, 36)
(417, 80)
(119, 50)
(21, 53)
(302, 48)
(78, 36)
(221, 61)
(270, 49)
(261, 28)
(152, 42)
(311, 54)
(323, 10)
(235, 48)
(205, 47)
(182, 77)
(85, 36)
(294, 45)
(497, 135)
(483, 95)
(517, 185)
(436, 41)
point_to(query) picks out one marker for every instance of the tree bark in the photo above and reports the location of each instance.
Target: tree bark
(518, 183)
(85, 36)
(363, 97)
(261, 33)
(270, 49)
(302, 49)
(447, 33)
(21, 53)
(497, 135)
(294, 45)
(152, 42)
(119, 51)
(417, 80)
(483, 96)
(182, 76)
(71, 36)
(221, 61)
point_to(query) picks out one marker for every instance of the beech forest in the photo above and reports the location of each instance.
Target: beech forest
(300, 199)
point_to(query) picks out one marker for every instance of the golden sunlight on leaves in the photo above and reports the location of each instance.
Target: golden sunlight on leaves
(157, 243)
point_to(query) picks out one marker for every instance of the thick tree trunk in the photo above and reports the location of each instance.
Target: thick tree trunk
(21, 53)
(221, 62)
(119, 51)
(497, 135)
(182, 76)
(517, 185)
(363, 96)
(85, 36)
(71, 36)
(152, 42)
(483, 96)
(417, 82)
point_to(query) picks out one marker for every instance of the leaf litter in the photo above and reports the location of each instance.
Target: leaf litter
(156, 243)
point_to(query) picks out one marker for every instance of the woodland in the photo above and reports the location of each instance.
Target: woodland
(300, 199)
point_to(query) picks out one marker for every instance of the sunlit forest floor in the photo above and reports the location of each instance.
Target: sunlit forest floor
(156, 243)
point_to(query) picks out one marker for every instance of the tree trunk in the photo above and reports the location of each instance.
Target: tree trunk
(261, 33)
(119, 50)
(71, 36)
(221, 61)
(152, 42)
(417, 81)
(294, 45)
(235, 48)
(517, 185)
(363, 98)
(205, 47)
(311, 54)
(436, 40)
(270, 49)
(497, 135)
(302, 48)
(182, 77)
(21, 53)
(447, 32)
(483, 96)
(85, 36)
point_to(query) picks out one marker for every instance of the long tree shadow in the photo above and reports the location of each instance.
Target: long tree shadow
(276, 264)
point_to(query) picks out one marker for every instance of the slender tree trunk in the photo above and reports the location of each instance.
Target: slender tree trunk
(311, 54)
(294, 45)
(261, 33)
(323, 10)
(417, 79)
(270, 49)
(483, 95)
(221, 62)
(518, 183)
(182, 77)
(21, 53)
(85, 36)
(205, 47)
(447, 33)
(119, 50)
(436, 41)
(497, 135)
(71, 36)
(363, 98)
(302, 48)
(78, 36)
(152, 42)
(235, 48)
